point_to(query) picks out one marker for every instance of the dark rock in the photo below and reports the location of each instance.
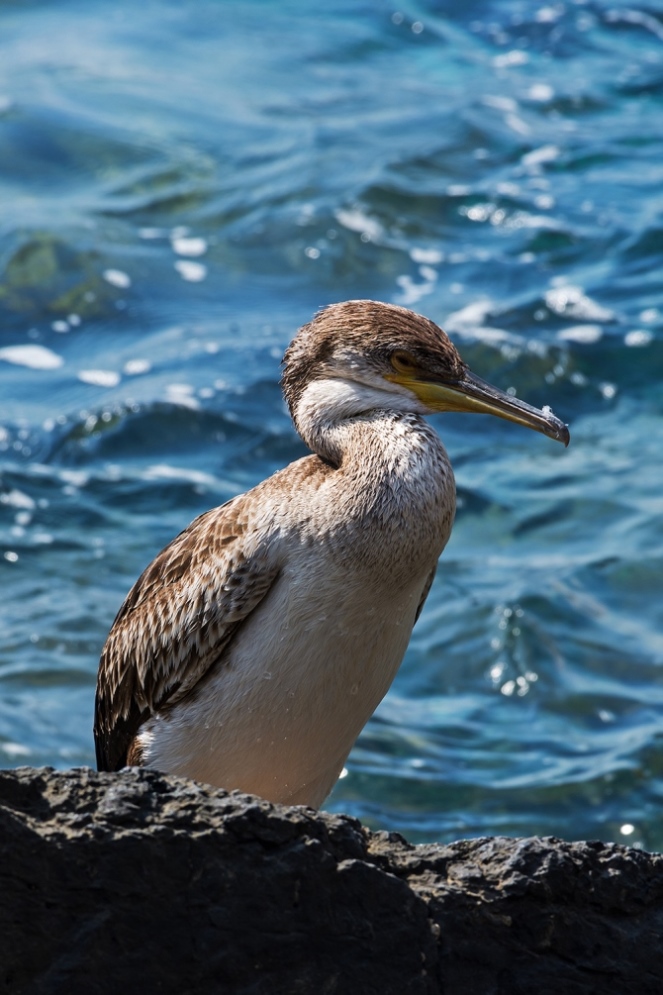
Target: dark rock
(137, 882)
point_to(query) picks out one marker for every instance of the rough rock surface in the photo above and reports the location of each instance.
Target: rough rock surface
(137, 882)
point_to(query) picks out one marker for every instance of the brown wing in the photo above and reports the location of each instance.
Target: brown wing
(176, 623)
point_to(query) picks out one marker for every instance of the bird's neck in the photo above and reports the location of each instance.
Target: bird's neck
(333, 415)
(393, 457)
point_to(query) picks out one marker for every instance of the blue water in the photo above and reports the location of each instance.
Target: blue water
(182, 186)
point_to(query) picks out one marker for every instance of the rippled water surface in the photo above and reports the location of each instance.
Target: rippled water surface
(182, 186)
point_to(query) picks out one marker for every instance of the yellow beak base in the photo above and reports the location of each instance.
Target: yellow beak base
(471, 394)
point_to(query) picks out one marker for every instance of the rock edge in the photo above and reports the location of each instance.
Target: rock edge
(143, 882)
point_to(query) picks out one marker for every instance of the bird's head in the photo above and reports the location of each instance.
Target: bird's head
(364, 355)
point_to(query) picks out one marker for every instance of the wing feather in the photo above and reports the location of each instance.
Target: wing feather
(177, 622)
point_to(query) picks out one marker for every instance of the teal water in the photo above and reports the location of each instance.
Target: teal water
(182, 186)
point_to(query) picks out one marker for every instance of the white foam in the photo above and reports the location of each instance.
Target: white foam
(191, 271)
(545, 153)
(638, 337)
(37, 357)
(412, 292)
(182, 394)
(184, 246)
(17, 499)
(16, 750)
(100, 378)
(355, 220)
(581, 333)
(571, 300)
(117, 278)
(541, 92)
(164, 471)
(134, 367)
(426, 256)
(516, 57)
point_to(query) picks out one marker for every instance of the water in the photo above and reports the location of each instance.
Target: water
(182, 185)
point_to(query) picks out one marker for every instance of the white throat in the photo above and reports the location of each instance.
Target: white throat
(327, 405)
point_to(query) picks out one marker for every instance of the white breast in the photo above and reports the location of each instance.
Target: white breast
(281, 714)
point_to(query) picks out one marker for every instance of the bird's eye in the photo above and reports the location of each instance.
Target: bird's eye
(403, 362)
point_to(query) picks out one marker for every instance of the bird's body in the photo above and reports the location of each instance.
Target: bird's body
(255, 647)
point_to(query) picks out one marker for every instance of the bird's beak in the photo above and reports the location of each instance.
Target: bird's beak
(471, 393)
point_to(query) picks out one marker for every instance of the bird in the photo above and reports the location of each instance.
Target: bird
(254, 648)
